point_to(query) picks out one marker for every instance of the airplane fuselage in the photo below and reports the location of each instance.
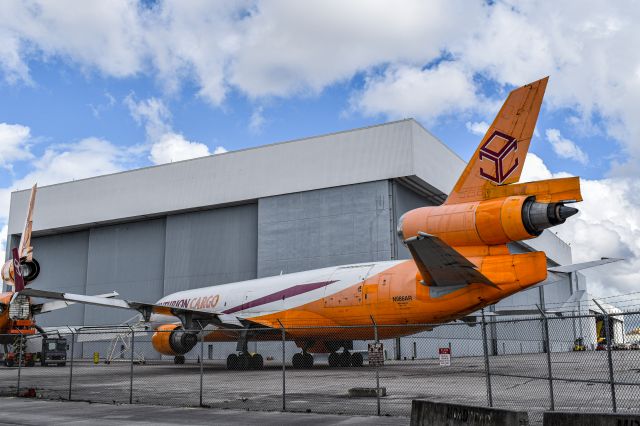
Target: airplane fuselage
(388, 292)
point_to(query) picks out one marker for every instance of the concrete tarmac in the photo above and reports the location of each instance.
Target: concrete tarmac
(23, 411)
(518, 381)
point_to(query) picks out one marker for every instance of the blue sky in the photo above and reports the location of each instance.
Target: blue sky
(116, 85)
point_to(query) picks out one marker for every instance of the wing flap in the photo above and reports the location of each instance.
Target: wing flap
(439, 262)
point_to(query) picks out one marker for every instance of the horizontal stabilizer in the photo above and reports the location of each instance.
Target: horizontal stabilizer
(566, 269)
(440, 264)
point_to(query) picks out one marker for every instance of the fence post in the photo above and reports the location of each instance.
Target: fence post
(19, 361)
(71, 364)
(284, 375)
(375, 335)
(545, 325)
(609, 356)
(201, 368)
(487, 370)
(133, 340)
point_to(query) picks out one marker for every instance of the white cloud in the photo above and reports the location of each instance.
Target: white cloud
(608, 225)
(13, 144)
(174, 147)
(166, 146)
(477, 127)
(86, 158)
(285, 48)
(220, 150)
(301, 47)
(3, 238)
(150, 113)
(565, 148)
(61, 163)
(257, 120)
(407, 91)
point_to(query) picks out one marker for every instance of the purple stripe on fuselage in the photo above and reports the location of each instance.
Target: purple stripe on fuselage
(279, 295)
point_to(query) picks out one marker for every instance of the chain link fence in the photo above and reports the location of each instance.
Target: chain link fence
(545, 362)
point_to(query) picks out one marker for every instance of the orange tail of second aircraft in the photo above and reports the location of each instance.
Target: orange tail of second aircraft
(501, 154)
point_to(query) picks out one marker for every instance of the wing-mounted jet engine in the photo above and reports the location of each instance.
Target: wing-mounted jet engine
(172, 339)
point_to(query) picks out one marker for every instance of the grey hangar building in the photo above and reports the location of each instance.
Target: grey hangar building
(286, 207)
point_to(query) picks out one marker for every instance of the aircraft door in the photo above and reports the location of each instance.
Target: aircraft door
(378, 290)
(351, 280)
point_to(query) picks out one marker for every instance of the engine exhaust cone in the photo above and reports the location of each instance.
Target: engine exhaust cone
(564, 212)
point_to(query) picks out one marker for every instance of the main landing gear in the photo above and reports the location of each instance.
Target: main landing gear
(245, 361)
(302, 360)
(345, 359)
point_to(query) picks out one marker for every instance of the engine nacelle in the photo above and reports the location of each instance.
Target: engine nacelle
(30, 270)
(171, 339)
(489, 222)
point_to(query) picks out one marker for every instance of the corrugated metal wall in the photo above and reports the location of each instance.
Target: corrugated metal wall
(147, 259)
(211, 247)
(63, 262)
(332, 226)
(129, 259)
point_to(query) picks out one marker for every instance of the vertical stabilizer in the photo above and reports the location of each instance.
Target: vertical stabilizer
(500, 156)
(24, 249)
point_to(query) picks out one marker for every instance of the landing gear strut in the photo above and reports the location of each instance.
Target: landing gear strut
(302, 360)
(178, 359)
(245, 361)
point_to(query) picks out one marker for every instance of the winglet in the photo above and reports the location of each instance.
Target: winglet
(499, 158)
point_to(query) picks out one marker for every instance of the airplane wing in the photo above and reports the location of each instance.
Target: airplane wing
(43, 308)
(442, 264)
(187, 316)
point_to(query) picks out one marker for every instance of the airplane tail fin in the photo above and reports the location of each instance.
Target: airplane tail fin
(18, 279)
(24, 248)
(501, 154)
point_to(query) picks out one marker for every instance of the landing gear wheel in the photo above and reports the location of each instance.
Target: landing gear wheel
(243, 361)
(307, 360)
(232, 362)
(178, 359)
(297, 360)
(256, 362)
(356, 360)
(345, 359)
(334, 359)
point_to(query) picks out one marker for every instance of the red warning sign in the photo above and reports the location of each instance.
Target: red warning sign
(445, 356)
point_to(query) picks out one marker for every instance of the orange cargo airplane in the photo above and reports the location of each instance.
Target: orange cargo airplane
(461, 263)
(17, 311)
(20, 270)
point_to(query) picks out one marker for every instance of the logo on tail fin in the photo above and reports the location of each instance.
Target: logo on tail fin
(496, 150)
(18, 279)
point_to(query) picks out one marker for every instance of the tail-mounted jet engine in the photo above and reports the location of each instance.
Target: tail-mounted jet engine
(171, 339)
(488, 222)
(30, 270)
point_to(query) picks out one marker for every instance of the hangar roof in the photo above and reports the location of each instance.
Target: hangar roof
(401, 149)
